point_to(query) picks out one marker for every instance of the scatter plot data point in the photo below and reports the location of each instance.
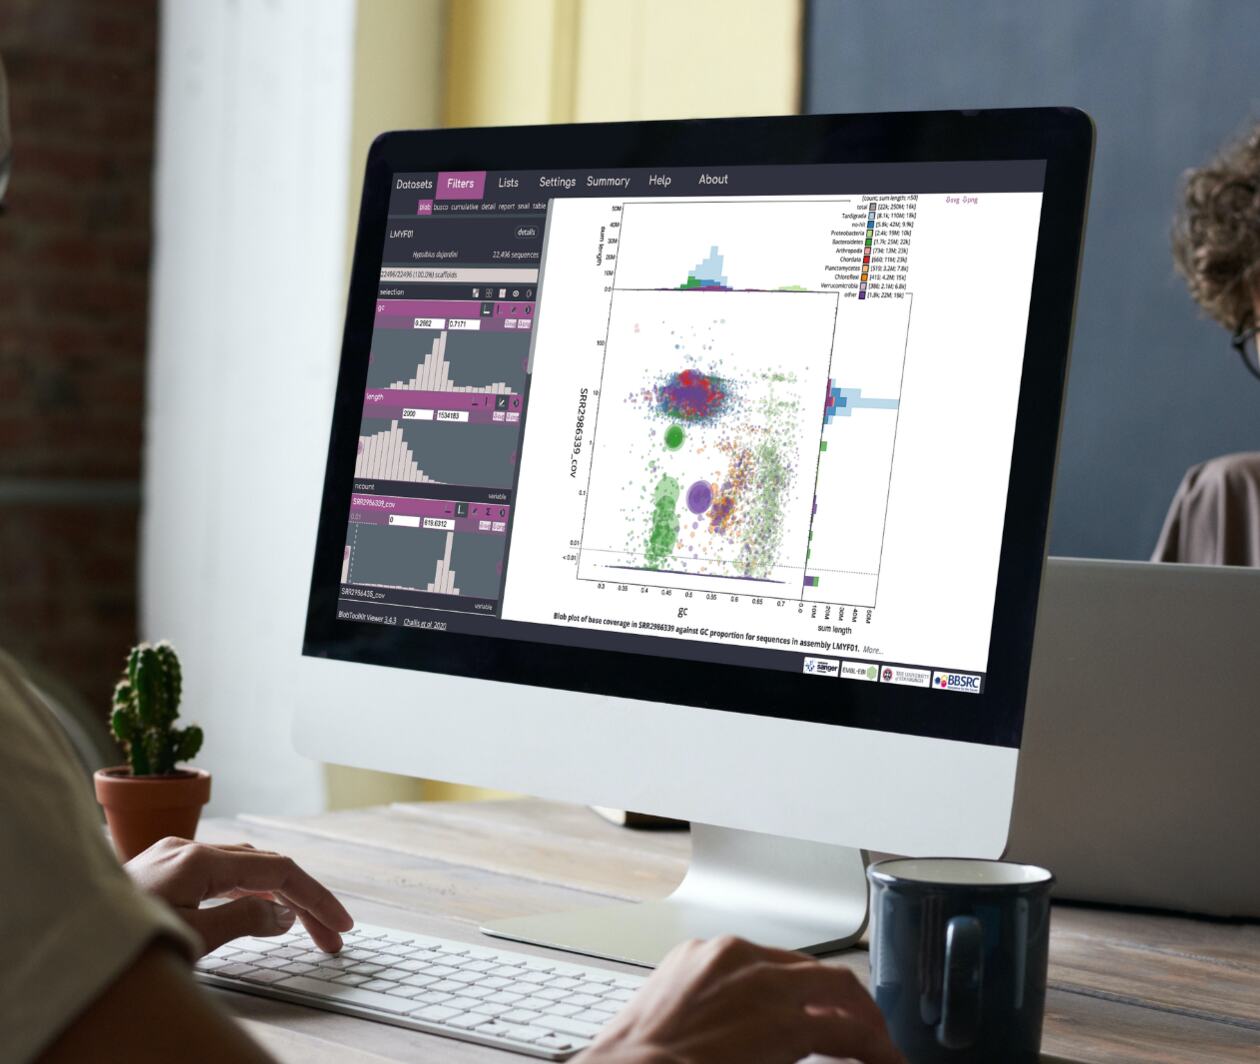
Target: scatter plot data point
(699, 497)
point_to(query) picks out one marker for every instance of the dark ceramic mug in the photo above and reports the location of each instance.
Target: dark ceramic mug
(959, 950)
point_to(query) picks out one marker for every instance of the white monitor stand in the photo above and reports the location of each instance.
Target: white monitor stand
(785, 893)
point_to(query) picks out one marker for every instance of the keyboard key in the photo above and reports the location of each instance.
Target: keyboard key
(568, 1025)
(466, 978)
(464, 1004)
(247, 957)
(433, 997)
(504, 997)
(495, 1028)
(298, 968)
(209, 964)
(537, 1004)
(349, 980)
(558, 1008)
(264, 975)
(327, 971)
(520, 1016)
(420, 980)
(436, 1013)
(449, 985)
(366, 969)
(466, 1021)
(349, 994)
(379, 984)
(477, 991)
(557, 1042)
(526, 1034)
(235, 971)
(441, 970)
(563, 983)
(489, 1008)
(402, 990)
(552, 995)
(619, 995)
(272, 961)
(594, 1016)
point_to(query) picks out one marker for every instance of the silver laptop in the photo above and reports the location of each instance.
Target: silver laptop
(1139, 771)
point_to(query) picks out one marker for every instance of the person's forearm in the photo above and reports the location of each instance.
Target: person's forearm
(152, 1014)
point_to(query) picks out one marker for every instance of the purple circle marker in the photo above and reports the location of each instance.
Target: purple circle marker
(699, 497)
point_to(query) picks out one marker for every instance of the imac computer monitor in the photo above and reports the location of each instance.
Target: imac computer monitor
(703, 468)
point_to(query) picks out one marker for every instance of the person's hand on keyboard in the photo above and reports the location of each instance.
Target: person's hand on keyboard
(727, 1001)
(269, 892)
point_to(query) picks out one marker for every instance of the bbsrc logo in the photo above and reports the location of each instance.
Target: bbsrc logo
(967, 682)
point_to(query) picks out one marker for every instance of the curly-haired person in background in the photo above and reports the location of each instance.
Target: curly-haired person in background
(1215, 515)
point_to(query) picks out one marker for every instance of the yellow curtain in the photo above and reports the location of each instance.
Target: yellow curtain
(598, 60)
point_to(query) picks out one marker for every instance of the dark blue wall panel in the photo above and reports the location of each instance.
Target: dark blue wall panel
(1154, 387)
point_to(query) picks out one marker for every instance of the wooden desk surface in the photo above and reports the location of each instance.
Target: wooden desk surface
(1123, 986)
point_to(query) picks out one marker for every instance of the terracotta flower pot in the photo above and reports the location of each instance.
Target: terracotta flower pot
(142, 809)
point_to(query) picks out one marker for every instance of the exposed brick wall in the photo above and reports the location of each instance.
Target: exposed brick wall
(74, 265)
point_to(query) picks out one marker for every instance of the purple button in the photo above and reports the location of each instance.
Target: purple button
(424, 206)
(461, 184)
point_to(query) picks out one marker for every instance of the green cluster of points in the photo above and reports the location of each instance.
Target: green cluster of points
(664, 522)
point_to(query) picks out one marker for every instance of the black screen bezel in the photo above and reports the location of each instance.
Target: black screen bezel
(1062, 137)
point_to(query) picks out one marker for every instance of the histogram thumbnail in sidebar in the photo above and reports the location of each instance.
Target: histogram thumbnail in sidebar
(437, 452)
(443, 407)
(436, 546)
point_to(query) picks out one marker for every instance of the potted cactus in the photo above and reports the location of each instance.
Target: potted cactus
(150, 798)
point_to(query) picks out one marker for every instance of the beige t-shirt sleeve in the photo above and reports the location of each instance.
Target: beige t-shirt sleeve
(70, 920)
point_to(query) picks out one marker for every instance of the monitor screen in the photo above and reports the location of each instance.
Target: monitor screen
(741, 419)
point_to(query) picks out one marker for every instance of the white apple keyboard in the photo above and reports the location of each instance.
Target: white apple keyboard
(513, 1001)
